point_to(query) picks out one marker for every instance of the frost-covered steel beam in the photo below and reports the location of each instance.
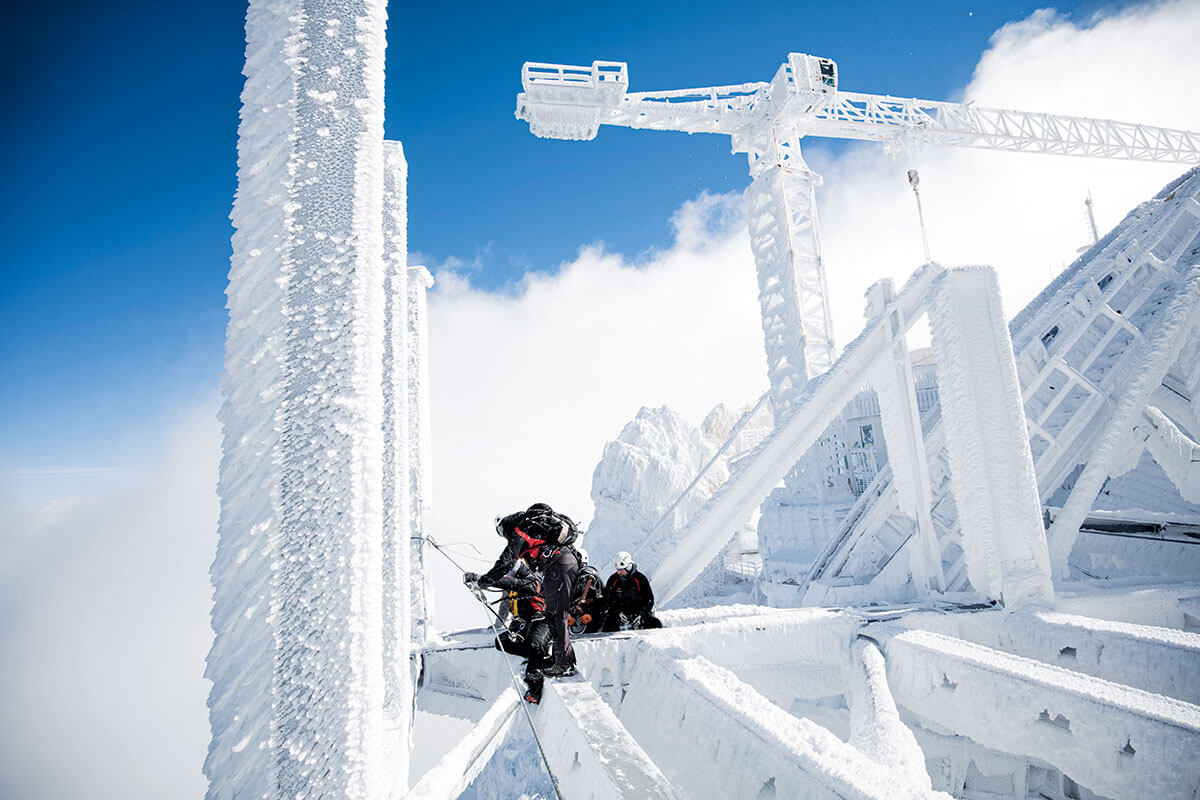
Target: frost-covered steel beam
(420, 447)
(396, 534)
(1159, 660)
(451, 776)
(896, 391)
(787, 655)
(298, 684)
(875, 725)
(677, 702)
(991, 468)
(461, 680)
(590, 754)
(1115, 740)
(821, 400)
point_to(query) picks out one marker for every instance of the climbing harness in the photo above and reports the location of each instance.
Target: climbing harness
(478, 594)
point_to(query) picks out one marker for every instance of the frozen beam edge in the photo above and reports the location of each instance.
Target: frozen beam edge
(814, 408)
(784, 756)
(1156, 659)
(591, 754)
(451, 776)
(1115, 740)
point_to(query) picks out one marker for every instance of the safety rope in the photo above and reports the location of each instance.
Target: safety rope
(478, 595)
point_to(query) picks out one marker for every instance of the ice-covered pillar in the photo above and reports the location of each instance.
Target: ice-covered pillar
(892, 378)
(397, 527)
(297, 706)
(781, 211)
(241, 664)
(420, 464)
(991, 467)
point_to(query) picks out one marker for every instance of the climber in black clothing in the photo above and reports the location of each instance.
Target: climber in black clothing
(543, 537)
(528, 633)
(628, 594)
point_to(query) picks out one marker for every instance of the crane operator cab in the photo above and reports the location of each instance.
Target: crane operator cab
(811, 80)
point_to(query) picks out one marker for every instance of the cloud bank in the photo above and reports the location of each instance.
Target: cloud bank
(104, 607)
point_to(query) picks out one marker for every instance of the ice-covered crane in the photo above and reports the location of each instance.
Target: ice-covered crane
(767, 121)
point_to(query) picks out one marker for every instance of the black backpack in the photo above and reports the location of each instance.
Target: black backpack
(553, 528)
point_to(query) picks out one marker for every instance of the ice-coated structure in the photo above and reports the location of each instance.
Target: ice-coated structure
(1008, 606)
(953, 655)
(325, 424)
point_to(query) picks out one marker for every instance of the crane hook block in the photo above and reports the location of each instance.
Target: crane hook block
(568, 102)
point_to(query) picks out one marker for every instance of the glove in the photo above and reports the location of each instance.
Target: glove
(471, 579)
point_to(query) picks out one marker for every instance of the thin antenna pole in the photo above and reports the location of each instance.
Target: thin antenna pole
(913, 180)
(1091, 217)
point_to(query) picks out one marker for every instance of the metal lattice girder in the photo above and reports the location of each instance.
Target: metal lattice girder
(742, 109)
(891, 119)
(797, 330)
(1080, 351)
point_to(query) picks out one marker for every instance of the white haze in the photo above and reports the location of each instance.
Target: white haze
(105, 609)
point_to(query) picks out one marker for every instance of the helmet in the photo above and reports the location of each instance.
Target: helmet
(536, 507)
(623, 561)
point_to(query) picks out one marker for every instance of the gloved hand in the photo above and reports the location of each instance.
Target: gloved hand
(471, 579)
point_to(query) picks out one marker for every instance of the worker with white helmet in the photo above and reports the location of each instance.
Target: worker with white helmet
(629, 600)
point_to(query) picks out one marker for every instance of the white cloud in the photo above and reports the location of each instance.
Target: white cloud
(105, 606)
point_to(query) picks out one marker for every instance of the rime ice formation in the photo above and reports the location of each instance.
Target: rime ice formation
(312, 690)
(1174, 450)
(397, 571)
(991, 470)
(419, 447)
(659, 459)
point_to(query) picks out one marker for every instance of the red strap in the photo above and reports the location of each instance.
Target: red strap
(529, 540)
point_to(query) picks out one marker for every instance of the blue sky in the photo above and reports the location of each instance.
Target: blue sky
(120, 160)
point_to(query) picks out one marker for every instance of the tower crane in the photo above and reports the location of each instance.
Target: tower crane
(766, 121)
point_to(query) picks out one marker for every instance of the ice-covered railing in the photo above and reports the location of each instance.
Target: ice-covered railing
(978, 382)
(565, 102)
